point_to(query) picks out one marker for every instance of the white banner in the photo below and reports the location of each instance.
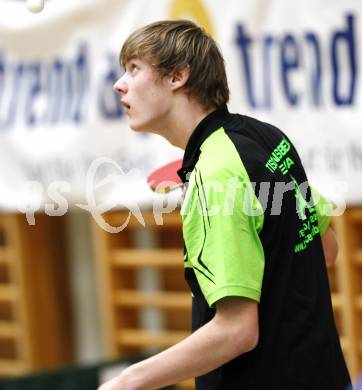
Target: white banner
(63, 132)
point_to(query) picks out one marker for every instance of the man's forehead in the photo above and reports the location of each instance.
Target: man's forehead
(137, 59)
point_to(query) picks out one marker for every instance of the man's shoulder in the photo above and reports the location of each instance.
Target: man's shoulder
(218, 155)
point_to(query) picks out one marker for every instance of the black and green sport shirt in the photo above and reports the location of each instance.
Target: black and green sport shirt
(251, 229)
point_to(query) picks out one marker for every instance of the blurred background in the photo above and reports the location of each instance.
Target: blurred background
(91, 262)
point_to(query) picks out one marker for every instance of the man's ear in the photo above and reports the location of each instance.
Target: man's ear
(179, 78)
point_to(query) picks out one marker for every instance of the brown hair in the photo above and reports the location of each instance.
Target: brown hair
(170, 45)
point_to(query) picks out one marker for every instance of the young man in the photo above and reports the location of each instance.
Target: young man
(254, 256)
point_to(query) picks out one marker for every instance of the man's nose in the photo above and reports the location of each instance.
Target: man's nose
(120, 86)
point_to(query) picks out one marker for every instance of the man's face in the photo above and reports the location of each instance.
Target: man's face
(145, 97)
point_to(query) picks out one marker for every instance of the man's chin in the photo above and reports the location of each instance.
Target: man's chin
(141, 128)
(135, 127)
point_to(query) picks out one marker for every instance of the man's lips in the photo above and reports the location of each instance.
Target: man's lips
(126, 106)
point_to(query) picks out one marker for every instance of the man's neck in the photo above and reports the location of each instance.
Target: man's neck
(183, 122)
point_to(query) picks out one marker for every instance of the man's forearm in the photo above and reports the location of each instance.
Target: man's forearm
(206, 349)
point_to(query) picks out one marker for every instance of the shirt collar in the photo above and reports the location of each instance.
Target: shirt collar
(207, 126)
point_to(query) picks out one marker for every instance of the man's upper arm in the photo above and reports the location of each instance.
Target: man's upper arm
(330, 246)
(232, 251)
(239, 316)
(221, 231)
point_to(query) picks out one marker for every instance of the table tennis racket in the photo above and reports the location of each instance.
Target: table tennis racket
(165, 178)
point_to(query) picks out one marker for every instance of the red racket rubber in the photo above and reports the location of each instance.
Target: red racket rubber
(165, 178)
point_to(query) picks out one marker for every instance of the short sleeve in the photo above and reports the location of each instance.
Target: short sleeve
(323, 208)
(221, 233)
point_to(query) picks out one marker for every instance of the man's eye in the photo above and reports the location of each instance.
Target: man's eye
(133, 69)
